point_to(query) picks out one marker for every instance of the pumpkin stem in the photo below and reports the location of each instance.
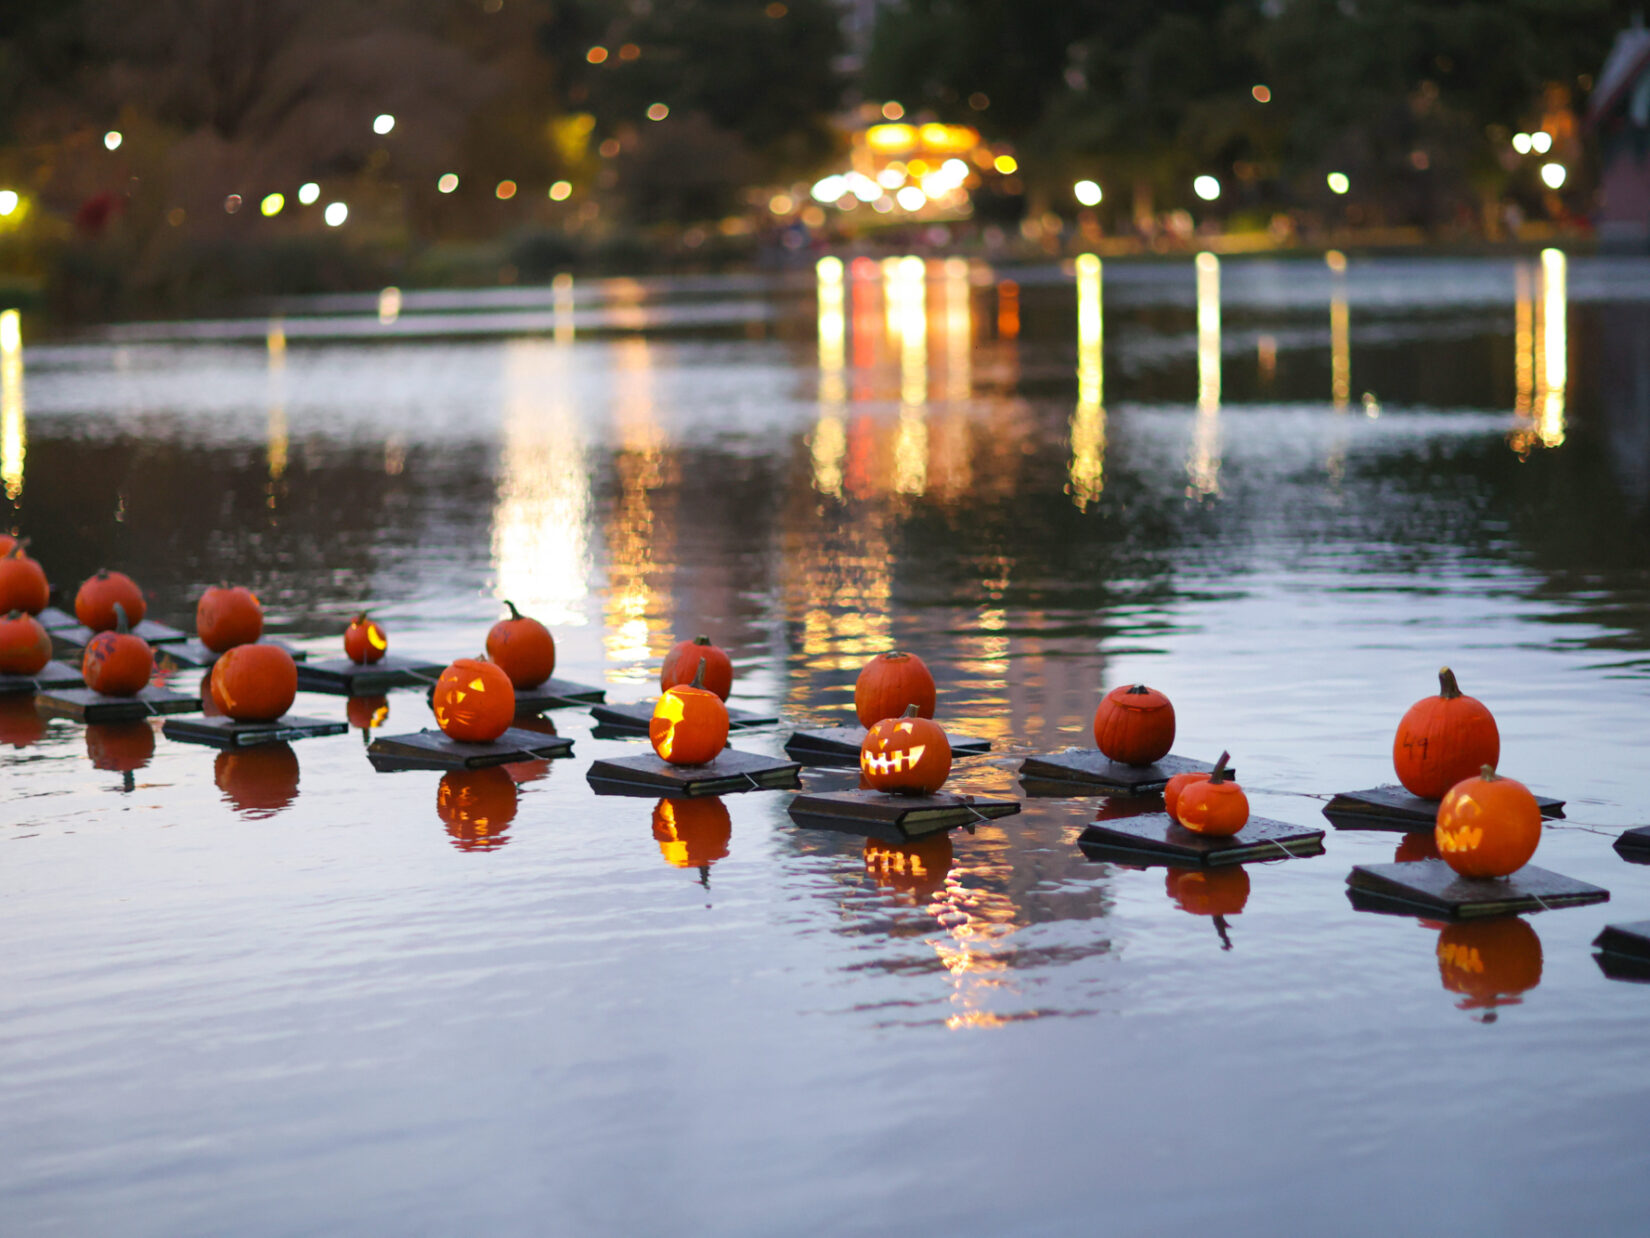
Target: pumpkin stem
(911, 710)
(1219, 776)
(103, 573)
(699, 674)
(1220, 928)
(120, 619)
(360, 617)
(701, 640)
(16, 614)
(16, 552)
(1447, 687)
(704, 875)
(1488, 774)
(514, 613)
(1139, 689)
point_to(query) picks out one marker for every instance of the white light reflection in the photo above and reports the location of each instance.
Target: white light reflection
(1203, 467)
(1554, 312)
(906, 288)
(636, 543)
(1088, 422)
(14, 437)
(829, 443)
(561, 294)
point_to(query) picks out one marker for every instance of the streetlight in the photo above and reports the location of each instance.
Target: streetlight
(1541, 143)
(8, 201)
(1087, 193)
(382, 123)
(1521, 143)
(112, 139)
(308, 193)
(336, 213)
(1207, 188)
(1338, 182)
(1553, 175)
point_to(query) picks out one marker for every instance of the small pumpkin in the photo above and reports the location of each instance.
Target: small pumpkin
(226, 617)
(693, 833)
(1490, 962)
(889, 685)
(523, 647)
(682, 665)
(259, 781)
(365, 641)
(1488, 826)
(1216, 805)
(101, 592)
(255, 683)
(117, 663)
(1444, 739)
(1177, 784)
(477, 807)
(20, 722)
(25, 645)
(905, 756)
(22, 582)
(474, 701)
(689, 724)
(915, 868)
(1134, 725)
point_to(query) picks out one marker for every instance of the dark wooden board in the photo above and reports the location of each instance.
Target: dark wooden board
(55, 617)
(839, 745)
(553, 694)
(431, 749)
(1634, 845)
(48, 678)
(227, 733)
(1624, 951)
(732, 770)
(84, 705)
(1156, 838)
(1433, 888)
(77, 637)
(1390, 807)
(190, 653)
(341, 677)
(895, 818)
(632, 719)
(1088, 771)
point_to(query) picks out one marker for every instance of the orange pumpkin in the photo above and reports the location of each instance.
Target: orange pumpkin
(25, 646)
(117, 663)
(255, 683)
(367, 712)
(20, 722)
(120, 747)
(1488, 826)
(682, 666)
(523, 647)
(365, 640)
(1216, 805)
(226, 617)
(1443, 739)
(7, 541)
(257, 781)
(689, 724)
(1209, 891)
(905, 756)
(474, 701)
(22, 582)
(94, 604)
(1490, 962)
(915, 868)
(1134, 725)
(477, 807)
(1177, 784)
(693, 833)
(889, 685)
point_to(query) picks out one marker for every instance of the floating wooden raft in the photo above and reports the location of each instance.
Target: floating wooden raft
(85, 705)
(633, 718)
(1393, 808)
(839, 745)
(48, 678)
(228, 733)
(341, 677)
(428, 749)
(1156, 838)
(895, 818)
(75, 636)
(732, 770)
(553, 694)
(1432, 887)
(191, 653)
(1088, 771)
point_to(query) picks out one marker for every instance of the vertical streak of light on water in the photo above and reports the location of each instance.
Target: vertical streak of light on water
(637, 544)
(1554, 313)
(561, 295)
(1340, 340)
(1203, 468)
(830, 439)
(1524, 344)
(276, 435)
(14, 436)
(909, 315)
(1088, 421)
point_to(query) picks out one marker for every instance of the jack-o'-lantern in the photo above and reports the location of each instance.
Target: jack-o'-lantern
(1488, 826)
(20, 722)
(259, 781)
(226, 617)
(365, 640)
(1490, 962)
(1216, 805)
(1215, 892)
(523, 648)
(689, 724)
(1417, 845)
(1134, 725)
(117, 663)
(474, 701)
(94, 604)
(1177, 784)
(1444, 739)
(367, 714)
(916, 868)
(255, 683)
(120, 747)
(889, 685)
(477, 807)
(684, 663)
(693, 833)
(22, 582)
(905, 756)
(25, 646)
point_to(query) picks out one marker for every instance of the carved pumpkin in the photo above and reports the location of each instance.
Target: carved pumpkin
(226, 617)
(477, 807)
(117, 663)
(1490, 962)
(474, 701)
(1177, 784)
(257, 781)
(25, 646)
(915, 868)
(889, 685)
(120, 747)
(1214, 892)
(905, 756)
(22, 582)
(1488, 826)
(1443, 739)
(689, 724)
(94, 604)
(683, 663)
(366, 713)
(693, 833)
(1417, 845)
(20, 722)
(255, 683)
(364, 640)
(523, 647)
(1216, 805)
(1134, 724)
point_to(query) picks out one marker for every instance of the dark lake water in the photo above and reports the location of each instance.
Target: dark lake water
(279, 995)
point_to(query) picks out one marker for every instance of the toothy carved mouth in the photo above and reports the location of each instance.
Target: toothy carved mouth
(902, 762)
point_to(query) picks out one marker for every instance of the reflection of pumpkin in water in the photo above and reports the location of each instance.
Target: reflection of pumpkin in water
(531, 771)
(477, 806)
(916, 868)
(258, 781)
(693, 833)
(120, 747)
(367, 713)
(1215, 892)
(1417, 845)
(1490, 962)
(20, 723)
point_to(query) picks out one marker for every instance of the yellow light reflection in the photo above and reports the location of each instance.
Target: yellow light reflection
(1524, 345)
(1554, 313)
(561, 293)
(829, 443)
(1340, 339)
(14, 437)
(389, 305)
(276, 438)
(907, 294)
(1208, 332)
(1088, 422)
(637, 543)
(275, 340)
(959, 331)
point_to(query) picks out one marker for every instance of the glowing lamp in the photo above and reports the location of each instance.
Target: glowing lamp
(1553, 175)
(1087, 193)
(1207, 188)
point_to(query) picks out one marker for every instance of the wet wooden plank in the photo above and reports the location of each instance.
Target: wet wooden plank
(839, 745)
(66, 639)
(341, 677)
(1624, 951)
(1390, 807)
(228, 733)
(84, 705)
(1156, 838)
(632, 719)
(1088, 771)
(433, 749)
(48, 678)
(895, 818)
(1634, 845)
(731, 771)
(1434, 888)
(191, 653)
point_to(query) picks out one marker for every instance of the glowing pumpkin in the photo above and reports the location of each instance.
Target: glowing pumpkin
(474, 701)
(117, 663)
(905, 756)
(365, 641)
(100, 593)
(1488, 826)
(889, 685)
(25, 646)
(226, 617)
(367, 713)
(1490, 962)
(693, 833)
(1215, 806)
(1177, 784)
(1134, 724)
(686, 661)
(523, 647)
(20, 722)
(477, 807)
(259, 781)
(255, 683)
(689, 724)
(22, 582)
(915, 868)
(1444, 739)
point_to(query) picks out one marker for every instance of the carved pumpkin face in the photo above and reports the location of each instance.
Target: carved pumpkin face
(255, 683)
(365, 641)
(1489, 962)
(1488, 826)
(1215, 805)
(117, 663)
(1177, 784)
(1134, 725)
(226, 617)
(689, 726)
(523, 648)
(94, 604)
(259, 781)
(916, 868)
(683, 665)
(474, 701)
(905, 756)
(477, 806)
(889, 685)
(1444, 739)
(693, 833)
(25, 646)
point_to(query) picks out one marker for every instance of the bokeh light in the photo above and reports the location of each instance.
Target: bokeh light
(561, 191)
(272, 204)
(1087, 193)
(382, 123)
(1553, 175)
(657, 111)
(113, 139)
(1338, 182)
(336, 213)
(447, 183)
(1207, 188)
(309, 193)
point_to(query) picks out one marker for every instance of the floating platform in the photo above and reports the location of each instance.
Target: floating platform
(1088, 771)
(430, 749)
(1393, 808)
(839, 745)
(341, 677)
(732, 770)
(191, 653)
(1433, 888)
(1156, 838)
(1624, 951)
(228, 733)
(84, 705)
(48, 678)
(895, 818)
(1634, 845)
(553, 694)
(54, 618)
(633, 719)
(75, 636)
